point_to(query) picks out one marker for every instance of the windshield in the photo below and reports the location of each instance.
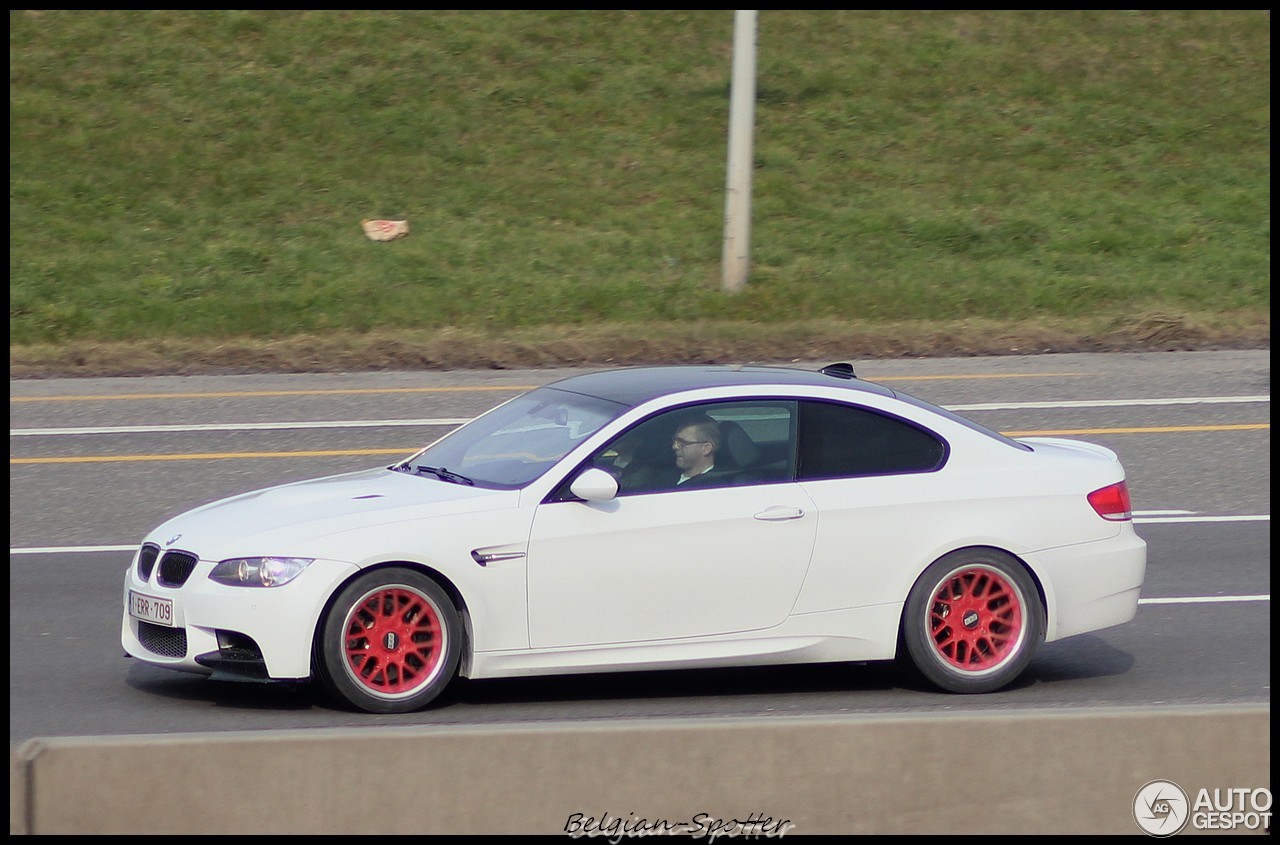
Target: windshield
(517, 442)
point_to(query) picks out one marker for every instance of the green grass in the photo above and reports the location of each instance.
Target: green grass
(202, 175)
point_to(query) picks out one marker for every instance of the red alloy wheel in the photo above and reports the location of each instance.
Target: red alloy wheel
(394, 641)
(976, 619)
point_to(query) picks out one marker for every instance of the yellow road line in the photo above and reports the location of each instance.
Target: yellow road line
(409, 450)
(968, 376)
(519, 388)
(213, 456)
(234, 394)
(1158, 429)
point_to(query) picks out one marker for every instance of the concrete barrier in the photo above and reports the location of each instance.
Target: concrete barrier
(1077, 771)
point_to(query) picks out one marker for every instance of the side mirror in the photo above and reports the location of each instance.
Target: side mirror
(594, 485)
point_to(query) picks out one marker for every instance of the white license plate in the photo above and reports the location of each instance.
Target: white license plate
(151, 609)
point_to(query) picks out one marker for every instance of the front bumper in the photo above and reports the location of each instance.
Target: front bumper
(244, 633)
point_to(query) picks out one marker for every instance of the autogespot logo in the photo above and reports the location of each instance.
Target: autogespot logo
(1161, 808)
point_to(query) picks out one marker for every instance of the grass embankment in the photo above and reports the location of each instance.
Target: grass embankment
(186, 188)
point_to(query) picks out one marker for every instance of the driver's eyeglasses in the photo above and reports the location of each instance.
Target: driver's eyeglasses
(680, 442)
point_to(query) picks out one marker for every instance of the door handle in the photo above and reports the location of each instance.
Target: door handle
(779, 513)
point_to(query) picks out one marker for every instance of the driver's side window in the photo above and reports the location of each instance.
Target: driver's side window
(711, 445)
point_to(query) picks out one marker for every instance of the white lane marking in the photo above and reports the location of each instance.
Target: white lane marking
(1190, 516)
(1204, 599)
(64, 550)
(274, 426)
(57, 550)
(1147, 520)
(1112, 403)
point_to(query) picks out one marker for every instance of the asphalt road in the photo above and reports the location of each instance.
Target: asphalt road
(95, 463)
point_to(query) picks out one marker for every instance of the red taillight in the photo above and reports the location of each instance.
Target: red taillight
(1112, 502)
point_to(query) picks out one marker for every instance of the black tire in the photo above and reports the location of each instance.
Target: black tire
(390, 642)
(973, 621)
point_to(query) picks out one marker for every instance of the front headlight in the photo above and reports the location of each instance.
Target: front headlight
(259, 571)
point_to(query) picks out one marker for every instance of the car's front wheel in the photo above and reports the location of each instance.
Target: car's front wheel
(390, 642)
(973, 621)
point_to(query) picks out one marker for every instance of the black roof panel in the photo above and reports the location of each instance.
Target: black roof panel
(636, 385)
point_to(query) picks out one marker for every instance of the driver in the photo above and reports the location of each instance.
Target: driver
(695, 445)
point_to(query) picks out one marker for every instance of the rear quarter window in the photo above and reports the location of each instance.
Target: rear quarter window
(842, 441)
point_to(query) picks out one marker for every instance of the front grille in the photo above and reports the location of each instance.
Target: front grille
(147, 560)
(175, 568)
(166, 642)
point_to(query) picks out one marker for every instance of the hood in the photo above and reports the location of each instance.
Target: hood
(278, 520)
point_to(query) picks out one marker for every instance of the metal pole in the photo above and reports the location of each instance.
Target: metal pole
(742, 100)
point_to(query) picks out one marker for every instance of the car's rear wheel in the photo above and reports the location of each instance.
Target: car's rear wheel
(973, 621)
(390, 642)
